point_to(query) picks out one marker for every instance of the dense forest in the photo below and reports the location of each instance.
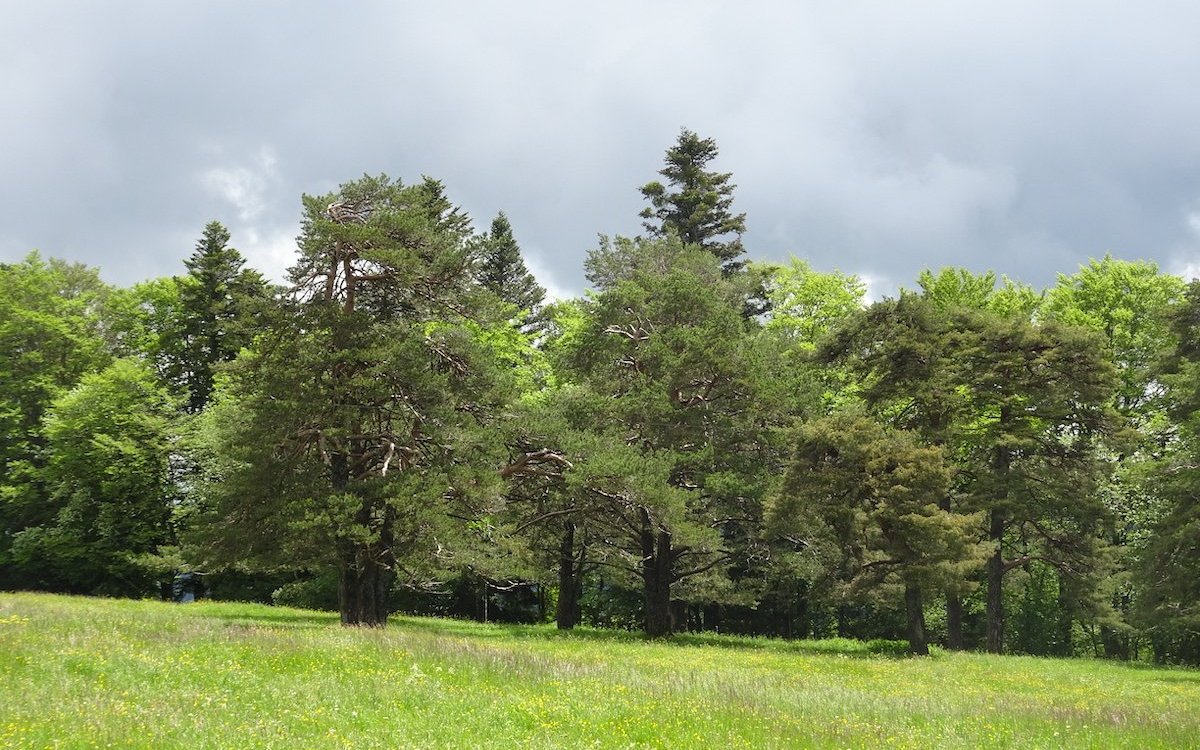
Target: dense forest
(700, 442)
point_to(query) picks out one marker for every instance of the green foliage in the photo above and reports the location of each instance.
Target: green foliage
(869, 500)
(805, 304)
(221, 304)
(1169, 603)
(409, 411)
(363, 409)
(957, 288)
(109, 486)
(147, 320)
(877, 492)
(50, 337)
(1018, 406)
(502, 269)
(681, 454)
(696, 203)
(1127, 303)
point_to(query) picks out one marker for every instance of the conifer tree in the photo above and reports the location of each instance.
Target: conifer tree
(502, 269)
(695, 203)
(675, 453)
(217, 299)
(876, 494)
(353, 420)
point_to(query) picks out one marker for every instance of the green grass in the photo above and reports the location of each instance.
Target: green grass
(105, 673)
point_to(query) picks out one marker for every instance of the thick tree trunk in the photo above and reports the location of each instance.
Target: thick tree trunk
(363, 588)
(914, 607)
(366, 578)
(366, 570)
(568, 580)
(995, 586)
(954, 617)
(657, 559)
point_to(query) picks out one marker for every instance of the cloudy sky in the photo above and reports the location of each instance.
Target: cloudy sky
(878, 138)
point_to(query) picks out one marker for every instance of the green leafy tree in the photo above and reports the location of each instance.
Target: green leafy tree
(1128, 305)
(549, 432)
(146, 321)
(50, 337)
(957, 288)
(359, 415)
(806, 304)
(107, 473)
(695, 203)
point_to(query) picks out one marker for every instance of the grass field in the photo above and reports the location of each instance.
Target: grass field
(105, 673)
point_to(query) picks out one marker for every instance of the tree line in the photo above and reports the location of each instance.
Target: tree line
(697, 443)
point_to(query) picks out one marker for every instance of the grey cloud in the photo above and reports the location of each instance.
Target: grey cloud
(877, 139)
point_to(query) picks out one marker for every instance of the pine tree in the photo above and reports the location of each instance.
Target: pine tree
(875, 495)
(675, 452)
(696, 202)
(355, 417)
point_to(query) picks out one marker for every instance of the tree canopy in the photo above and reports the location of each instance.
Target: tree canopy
(695, 443)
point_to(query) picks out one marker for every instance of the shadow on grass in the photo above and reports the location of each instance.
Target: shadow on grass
(248, 615)
(829, 647)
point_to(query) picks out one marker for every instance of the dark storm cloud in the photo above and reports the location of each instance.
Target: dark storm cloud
(880, 141)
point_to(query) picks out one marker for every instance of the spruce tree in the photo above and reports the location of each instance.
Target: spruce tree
(696, 202)
(502, 270)
(217, 300)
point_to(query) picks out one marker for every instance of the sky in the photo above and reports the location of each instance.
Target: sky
(875, 138)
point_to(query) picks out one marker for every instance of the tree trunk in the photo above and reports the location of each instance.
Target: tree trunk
(656, 575)
(995, 586)
(954, 608)
(568, 580)
(914, 607)
(363, 587)
(954, 615)
(366, 568)
(998, 523)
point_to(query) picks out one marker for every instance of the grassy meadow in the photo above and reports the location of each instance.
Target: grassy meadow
(105, 673)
